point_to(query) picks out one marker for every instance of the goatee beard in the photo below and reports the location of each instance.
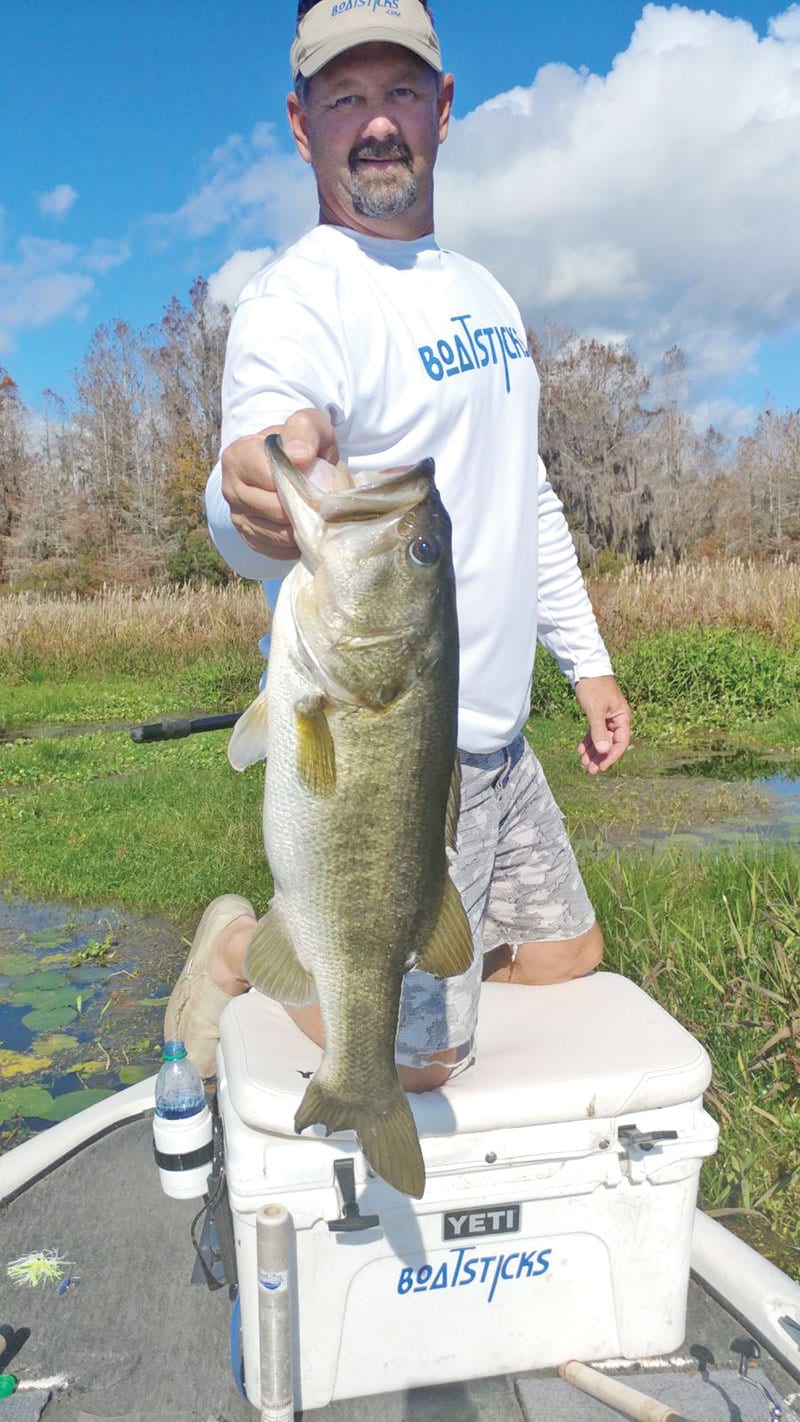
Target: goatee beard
(381, 194)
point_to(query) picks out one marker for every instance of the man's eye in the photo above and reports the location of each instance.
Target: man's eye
(345, 101)
(403, 93)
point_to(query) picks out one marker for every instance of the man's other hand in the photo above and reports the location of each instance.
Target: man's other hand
(609, 716)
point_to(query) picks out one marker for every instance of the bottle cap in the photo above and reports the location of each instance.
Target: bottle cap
(174, 1051)
(8, 1384)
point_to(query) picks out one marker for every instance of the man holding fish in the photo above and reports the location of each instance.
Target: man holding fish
(369, 343)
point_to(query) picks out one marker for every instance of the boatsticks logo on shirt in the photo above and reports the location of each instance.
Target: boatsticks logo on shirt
(472, 347)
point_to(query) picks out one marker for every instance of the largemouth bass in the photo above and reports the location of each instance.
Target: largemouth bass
(358, 725)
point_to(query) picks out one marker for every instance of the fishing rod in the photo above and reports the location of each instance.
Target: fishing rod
(175, 727)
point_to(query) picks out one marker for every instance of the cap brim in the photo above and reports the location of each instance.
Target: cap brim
(323, 53)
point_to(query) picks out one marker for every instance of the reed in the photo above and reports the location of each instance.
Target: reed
(125, 632)
(761, 596)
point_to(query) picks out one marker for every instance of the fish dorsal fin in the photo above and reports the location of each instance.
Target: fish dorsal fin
(272, 965)
(453, 805)
(449, 949)
(316, 760)
(248, 742)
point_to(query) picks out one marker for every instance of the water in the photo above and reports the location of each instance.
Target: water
(82, 995)
(731, 798)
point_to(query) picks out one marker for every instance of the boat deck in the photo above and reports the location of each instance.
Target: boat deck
(134, 1335)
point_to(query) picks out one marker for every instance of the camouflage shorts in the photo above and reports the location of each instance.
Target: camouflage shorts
(519, 882)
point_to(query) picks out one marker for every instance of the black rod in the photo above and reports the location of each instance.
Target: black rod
(172, 729)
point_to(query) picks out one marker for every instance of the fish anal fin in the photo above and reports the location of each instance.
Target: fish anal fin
(248, 743)
(449, 950)
(386, 1132)
(272, 965)
(316, 760)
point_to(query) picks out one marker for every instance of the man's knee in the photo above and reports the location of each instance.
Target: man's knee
(556, 962)
(430, 1076)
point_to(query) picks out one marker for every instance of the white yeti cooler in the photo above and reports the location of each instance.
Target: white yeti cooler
(557, 1218)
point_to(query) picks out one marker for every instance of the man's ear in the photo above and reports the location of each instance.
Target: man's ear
(298, 123)
(445, 103)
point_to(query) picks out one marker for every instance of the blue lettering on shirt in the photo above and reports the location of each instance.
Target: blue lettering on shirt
(474, 348)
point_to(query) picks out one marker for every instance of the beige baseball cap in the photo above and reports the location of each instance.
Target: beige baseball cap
(332, 26)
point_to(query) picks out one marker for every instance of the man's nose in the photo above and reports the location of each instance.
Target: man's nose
(379, 125)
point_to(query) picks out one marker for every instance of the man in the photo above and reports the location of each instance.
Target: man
(367, 341)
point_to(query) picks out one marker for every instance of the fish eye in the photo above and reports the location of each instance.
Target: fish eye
(425, 551)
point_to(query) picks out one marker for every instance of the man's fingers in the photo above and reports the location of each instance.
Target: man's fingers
(308, 435)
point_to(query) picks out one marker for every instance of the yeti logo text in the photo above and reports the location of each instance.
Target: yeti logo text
(492, 1219)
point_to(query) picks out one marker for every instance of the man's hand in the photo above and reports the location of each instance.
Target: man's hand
(247, 483)
(609, 717)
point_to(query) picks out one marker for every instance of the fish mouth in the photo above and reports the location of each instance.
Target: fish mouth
(353, 497)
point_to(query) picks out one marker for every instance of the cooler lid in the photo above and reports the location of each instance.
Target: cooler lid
(595, 1047)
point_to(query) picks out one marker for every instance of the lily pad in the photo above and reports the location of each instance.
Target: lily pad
(73, 1101)
(48, 998)
(18, 964)
(57, 1042)
(129, 1075)
(89, 973)
(49, 937)
(24, 1101)
(49, 1020)
(22, 1063)
(90, 1067)
(46, 981)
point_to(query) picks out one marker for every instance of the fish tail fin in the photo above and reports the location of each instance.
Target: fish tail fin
(386, 1132)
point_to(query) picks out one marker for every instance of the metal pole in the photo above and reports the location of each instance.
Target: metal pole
(273, 1242)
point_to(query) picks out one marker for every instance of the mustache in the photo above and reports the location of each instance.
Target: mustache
(374, 148)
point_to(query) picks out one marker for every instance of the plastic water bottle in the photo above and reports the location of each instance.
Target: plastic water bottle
(182, 1126)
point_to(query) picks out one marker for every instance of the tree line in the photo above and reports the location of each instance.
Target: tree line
(107, 485)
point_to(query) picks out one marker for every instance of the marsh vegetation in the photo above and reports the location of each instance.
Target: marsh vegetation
(709, 654)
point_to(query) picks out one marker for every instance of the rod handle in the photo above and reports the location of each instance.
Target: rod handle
(626, 1400)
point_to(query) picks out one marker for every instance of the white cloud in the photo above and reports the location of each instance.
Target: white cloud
(58, 201)
(661, 201)
(45, 280)
(254, 187)
(224, 285)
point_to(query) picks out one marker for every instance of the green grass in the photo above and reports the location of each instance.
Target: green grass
(98, 819)
(716, 939)
(715, 936)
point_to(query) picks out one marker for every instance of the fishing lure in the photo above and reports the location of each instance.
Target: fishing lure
(43, 1266)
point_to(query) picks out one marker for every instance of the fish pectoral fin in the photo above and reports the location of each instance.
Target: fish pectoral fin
(386, 1132)
(248, 742)
(316, 761)
(453, 805)
(272, 965)
(449, 949)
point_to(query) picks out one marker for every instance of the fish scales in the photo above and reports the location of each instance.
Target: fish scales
(361, 708)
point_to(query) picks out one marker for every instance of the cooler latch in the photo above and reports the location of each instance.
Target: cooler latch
(631, 1136)
(351, 1218)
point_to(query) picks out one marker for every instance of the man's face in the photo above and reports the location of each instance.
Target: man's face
(371, 129)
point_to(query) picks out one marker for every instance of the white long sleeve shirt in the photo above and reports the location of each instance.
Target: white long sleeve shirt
(414, 351)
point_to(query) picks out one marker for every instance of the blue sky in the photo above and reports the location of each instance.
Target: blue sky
(629, 171)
